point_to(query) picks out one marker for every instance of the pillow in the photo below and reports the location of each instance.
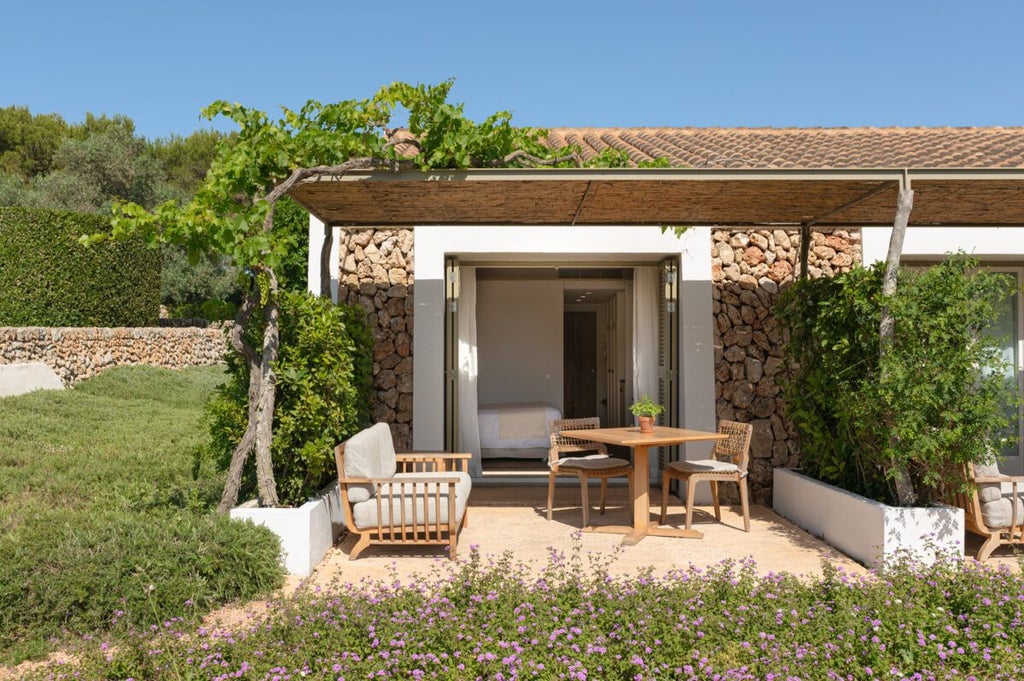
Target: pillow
(988, 491)
(370, 453)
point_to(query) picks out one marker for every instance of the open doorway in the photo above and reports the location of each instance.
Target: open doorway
(547, 342)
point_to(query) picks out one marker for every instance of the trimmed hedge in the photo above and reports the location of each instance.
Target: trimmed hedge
(49, 279)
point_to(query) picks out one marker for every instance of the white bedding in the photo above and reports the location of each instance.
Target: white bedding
(516, 426)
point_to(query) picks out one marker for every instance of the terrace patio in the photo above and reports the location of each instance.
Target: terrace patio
(504, 518)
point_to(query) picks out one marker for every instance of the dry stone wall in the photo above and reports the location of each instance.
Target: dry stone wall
(748, 271)
(377, 274)
(75, 354)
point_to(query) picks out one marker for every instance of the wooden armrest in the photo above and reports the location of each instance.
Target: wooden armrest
(440, 478)
(999, 478)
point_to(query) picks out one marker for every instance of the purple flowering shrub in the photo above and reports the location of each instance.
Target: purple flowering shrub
(499, 620)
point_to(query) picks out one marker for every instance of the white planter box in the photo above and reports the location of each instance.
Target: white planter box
(306, 532)
(866, 530)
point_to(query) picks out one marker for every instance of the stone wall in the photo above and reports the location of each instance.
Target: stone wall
(748, 271)
(75, 354)
(377, 274)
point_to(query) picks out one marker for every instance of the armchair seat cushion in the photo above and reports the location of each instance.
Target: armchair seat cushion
(704, 466)
(998, 513)
(408, 494)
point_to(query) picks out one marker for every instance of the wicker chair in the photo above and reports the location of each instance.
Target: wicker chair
(595, 465)
(989, 511)
(728, 463)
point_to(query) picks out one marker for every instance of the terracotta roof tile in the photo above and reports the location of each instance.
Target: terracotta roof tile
(806, 147)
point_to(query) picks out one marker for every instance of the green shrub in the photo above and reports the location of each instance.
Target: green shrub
(70, 573)
(99, 500)
(937, 399)
(49, 279)
(323, 394)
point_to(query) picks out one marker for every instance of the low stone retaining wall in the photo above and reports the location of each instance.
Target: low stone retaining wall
(75, 354)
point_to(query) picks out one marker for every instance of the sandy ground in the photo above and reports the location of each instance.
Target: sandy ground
(513, 519)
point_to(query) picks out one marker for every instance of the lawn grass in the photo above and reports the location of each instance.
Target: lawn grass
(104, 523)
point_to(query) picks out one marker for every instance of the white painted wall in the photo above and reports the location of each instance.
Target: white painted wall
(316, 243)
(994, 244)
(519, 339)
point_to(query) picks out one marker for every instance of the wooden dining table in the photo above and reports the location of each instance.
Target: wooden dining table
(640, 443)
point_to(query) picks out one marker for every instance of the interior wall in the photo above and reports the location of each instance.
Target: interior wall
(519, 336)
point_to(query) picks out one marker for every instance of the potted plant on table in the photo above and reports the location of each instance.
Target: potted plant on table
(646, 411)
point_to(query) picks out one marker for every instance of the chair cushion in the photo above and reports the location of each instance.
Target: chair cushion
(988, 491)
(597, 462)
(705, 466)
(998, 513)
(406, 493)
(370, 453)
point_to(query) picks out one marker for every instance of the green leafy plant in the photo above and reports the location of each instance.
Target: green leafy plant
(646, 406)
(935, 401)
(323, 397)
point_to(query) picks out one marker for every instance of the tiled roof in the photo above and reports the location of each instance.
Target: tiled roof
(806, 147)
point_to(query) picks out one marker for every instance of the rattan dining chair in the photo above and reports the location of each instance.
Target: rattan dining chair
(596, 464)
(728, 463)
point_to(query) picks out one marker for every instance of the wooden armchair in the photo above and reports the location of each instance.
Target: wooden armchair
(596, 464)
(403, 499)
(988, 510)
(728, 463)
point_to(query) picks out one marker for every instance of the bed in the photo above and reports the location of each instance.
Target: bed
(516, 430)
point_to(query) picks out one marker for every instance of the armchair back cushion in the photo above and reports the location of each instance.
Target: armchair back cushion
(370, 453)
(997, 510)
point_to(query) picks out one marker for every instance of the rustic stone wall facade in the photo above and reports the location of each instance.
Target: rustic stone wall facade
(377, 274)
(748, 271)
(75, 354)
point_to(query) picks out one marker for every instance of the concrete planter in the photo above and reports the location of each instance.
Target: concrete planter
(306, 532)
(866, 530)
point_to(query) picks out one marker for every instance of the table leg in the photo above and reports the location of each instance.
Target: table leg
(641, 499)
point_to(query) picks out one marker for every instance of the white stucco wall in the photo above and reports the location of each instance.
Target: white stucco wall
(519, 341)
(995, 244)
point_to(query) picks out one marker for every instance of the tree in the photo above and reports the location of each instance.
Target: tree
(233, 210)
(28, 142)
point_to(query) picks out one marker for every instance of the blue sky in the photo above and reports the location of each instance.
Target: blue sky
(587, 63)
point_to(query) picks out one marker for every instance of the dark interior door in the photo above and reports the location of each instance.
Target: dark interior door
(580, 364)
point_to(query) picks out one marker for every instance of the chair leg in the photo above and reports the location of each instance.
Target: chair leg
(744, 504)
(604, 488)
(585, 498)
(714, 498)
(988, 547)
(664, 495)
(629, 487)
(364, 541)
(551, 492)
(691, 487)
